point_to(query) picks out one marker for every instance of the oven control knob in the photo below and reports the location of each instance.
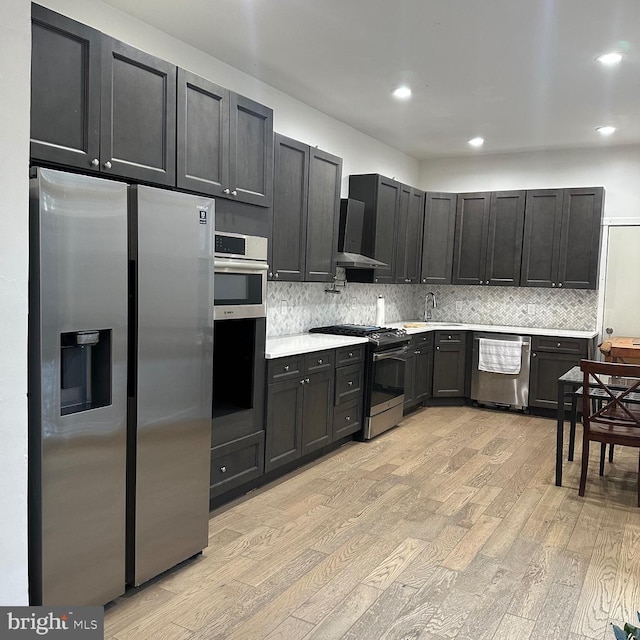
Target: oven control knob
(375, 336)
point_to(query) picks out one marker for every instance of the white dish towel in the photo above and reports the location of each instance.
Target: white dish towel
(500, 356)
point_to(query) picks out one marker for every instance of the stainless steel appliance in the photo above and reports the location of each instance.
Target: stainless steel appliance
(387, 352)
(501, 389)
(118, 455)
(170, 379)
(77, 388)
(241, 276)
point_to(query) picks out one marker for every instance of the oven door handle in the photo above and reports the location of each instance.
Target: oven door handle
(229, 264)
(391, 353)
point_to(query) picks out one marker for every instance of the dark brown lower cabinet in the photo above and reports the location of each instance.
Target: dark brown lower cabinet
(552, 357)
(236, 462)
(449, 365)
(418, 371)
(299, 417)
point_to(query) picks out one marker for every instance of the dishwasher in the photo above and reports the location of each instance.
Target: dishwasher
(501, 389)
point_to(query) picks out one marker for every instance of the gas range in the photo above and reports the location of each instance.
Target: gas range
(379, 337)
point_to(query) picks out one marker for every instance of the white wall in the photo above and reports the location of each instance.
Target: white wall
(15, 52)
(617, 169)
(361, 153)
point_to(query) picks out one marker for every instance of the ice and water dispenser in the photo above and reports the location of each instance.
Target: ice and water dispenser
(85, 375)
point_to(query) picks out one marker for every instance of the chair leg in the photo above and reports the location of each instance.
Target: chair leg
(639, 480)
(572, 428)
(585, 464)
(611, 452)
(603, 453)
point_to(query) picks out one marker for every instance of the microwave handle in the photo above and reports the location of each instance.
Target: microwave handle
(229, 264)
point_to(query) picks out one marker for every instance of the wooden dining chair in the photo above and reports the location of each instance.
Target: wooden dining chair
(615, 417)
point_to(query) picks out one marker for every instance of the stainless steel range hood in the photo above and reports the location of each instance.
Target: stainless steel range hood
(350, 237)
(358, 261)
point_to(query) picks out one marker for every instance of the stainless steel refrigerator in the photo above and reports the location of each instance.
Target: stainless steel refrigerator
(120, 351)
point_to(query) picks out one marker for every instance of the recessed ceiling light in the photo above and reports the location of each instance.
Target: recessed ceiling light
(402, 93)
(476, 142)
(610, 59)
(605, 131)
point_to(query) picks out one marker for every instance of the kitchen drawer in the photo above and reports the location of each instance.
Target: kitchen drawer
(350, 355)
(421, 340)
(578, 346)
(450, 337)
(236, 462)
(284, 368)
(318, 361)
(347, 419)
(349, 383)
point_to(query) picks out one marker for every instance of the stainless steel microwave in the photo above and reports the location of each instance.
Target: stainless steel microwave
(240, 281)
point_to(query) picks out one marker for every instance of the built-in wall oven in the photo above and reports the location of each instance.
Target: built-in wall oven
(387, 352)
(239, 336)
(240, 288)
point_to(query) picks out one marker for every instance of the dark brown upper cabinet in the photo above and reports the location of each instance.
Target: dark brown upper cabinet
(305, 212)
(100, 105)
(437, 241)
(224, 142)
(381, 197)
(138, 114)
(409, 237)
(562, 238)
(202, 134)
(488, 238)
(65, 91)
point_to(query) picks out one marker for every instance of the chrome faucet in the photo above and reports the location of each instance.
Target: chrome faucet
(427, 311)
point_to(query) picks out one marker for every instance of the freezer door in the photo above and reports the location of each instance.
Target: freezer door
(171, 404)
(77, 388)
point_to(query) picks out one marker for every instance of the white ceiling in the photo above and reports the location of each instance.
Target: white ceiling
(520, 73)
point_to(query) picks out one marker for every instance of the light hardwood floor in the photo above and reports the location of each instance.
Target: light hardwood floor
(448, 526)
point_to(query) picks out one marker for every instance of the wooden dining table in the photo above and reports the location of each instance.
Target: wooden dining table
(623, 350)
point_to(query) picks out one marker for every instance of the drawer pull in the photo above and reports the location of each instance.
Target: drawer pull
(350, 383)
(286, 367)
(347, 418)
(320, 361)
(350, 354)
(449, 337)
(223, 469)
(558, 345)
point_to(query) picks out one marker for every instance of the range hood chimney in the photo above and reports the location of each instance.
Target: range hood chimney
(350, 237)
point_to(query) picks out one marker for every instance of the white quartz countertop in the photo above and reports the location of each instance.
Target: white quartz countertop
(489, 328)
(290, 345)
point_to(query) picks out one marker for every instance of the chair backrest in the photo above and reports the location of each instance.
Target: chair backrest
(616, 387)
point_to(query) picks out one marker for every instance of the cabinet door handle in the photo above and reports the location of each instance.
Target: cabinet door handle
(437, 348)
(226, 191)
(534, 354)
(234, 193)
(277, 275)
(307, 380)
(95, 162)
(553, 284)
(486, 282)
(107, 165)
(559, 284)
(424, 279)
(271, 274)
(417, 352)
(223, 469)
(302, 381)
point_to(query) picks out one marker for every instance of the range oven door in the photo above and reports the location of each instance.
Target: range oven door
(240, 289)
(387, 379)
